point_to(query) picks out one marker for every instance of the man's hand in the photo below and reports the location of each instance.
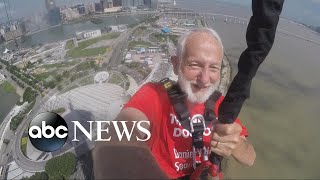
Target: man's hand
(226, 138)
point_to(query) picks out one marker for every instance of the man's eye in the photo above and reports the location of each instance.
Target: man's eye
(194, 65)
(214, 69)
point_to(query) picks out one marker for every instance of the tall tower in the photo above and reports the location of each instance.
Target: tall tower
(53, 15)
(50, 4)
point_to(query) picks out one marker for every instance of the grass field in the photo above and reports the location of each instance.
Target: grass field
(86, 81)
(158, 37)
(80, 51)
(115, 79)
(133, 44)
(24, 141)
(60, 65)
(69, 44)
(46, 76)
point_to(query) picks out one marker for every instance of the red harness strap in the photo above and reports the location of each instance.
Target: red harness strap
(212, 171)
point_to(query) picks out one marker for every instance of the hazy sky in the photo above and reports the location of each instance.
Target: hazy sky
(307, 11)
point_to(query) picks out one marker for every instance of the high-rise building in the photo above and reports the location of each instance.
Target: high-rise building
(138, 3)
(50, 4)
(104, 3)
(81, 9)
(117, 3)
(154, 4)
(127, 3)
(90, 8)
(147, 3)
(98, 7)
(54, 17)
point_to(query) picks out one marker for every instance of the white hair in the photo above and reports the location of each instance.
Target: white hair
(182, 40)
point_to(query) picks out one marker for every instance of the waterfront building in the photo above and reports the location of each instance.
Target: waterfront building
(69, 14)
(106, 4)
(98, 7)
(88, 34)
(90, 8)
(117, 3)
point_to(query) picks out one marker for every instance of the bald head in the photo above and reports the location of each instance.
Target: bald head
(201, 37)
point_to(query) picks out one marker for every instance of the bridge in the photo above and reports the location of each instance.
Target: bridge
(187, 13)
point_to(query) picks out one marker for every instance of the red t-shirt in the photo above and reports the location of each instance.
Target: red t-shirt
(170, 143)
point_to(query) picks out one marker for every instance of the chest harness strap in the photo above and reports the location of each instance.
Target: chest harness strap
(198, 123)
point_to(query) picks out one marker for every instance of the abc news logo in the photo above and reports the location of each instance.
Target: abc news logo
(49, 131)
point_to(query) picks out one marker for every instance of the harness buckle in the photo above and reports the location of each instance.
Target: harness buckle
(197, 126)
(167, 84)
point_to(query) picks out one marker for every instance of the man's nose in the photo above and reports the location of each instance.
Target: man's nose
(204, 77)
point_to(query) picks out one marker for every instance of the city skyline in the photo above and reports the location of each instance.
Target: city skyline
(300, 11)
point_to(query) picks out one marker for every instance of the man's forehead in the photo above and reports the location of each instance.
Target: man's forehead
(201, 42)
(201, 37)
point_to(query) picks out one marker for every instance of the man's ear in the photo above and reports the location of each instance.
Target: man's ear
(175, 64)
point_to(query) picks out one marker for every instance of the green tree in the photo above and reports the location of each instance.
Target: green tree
(59, 78)
(1, 67)
(61, 167)
(51, 84)
(92, 64)
(66, 74)
(29, 95)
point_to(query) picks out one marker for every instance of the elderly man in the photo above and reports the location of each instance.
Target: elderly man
(173, 143)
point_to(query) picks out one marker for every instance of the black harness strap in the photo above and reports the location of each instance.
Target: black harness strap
(177, 98)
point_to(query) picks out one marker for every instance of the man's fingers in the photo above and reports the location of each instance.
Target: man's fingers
(221, 149)
(225, 139)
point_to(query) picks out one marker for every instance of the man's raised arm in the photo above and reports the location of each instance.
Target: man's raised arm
(126, 159)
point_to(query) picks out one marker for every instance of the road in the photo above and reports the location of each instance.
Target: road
(119, 47)
(13, 148)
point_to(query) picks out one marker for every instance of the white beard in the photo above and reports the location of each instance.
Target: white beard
(199, 97)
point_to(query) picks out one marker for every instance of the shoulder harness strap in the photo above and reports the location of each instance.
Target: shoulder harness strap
(177, 98)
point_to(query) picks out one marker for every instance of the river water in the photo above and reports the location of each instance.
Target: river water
(283, 110)
(67, 31)
(8, 100)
